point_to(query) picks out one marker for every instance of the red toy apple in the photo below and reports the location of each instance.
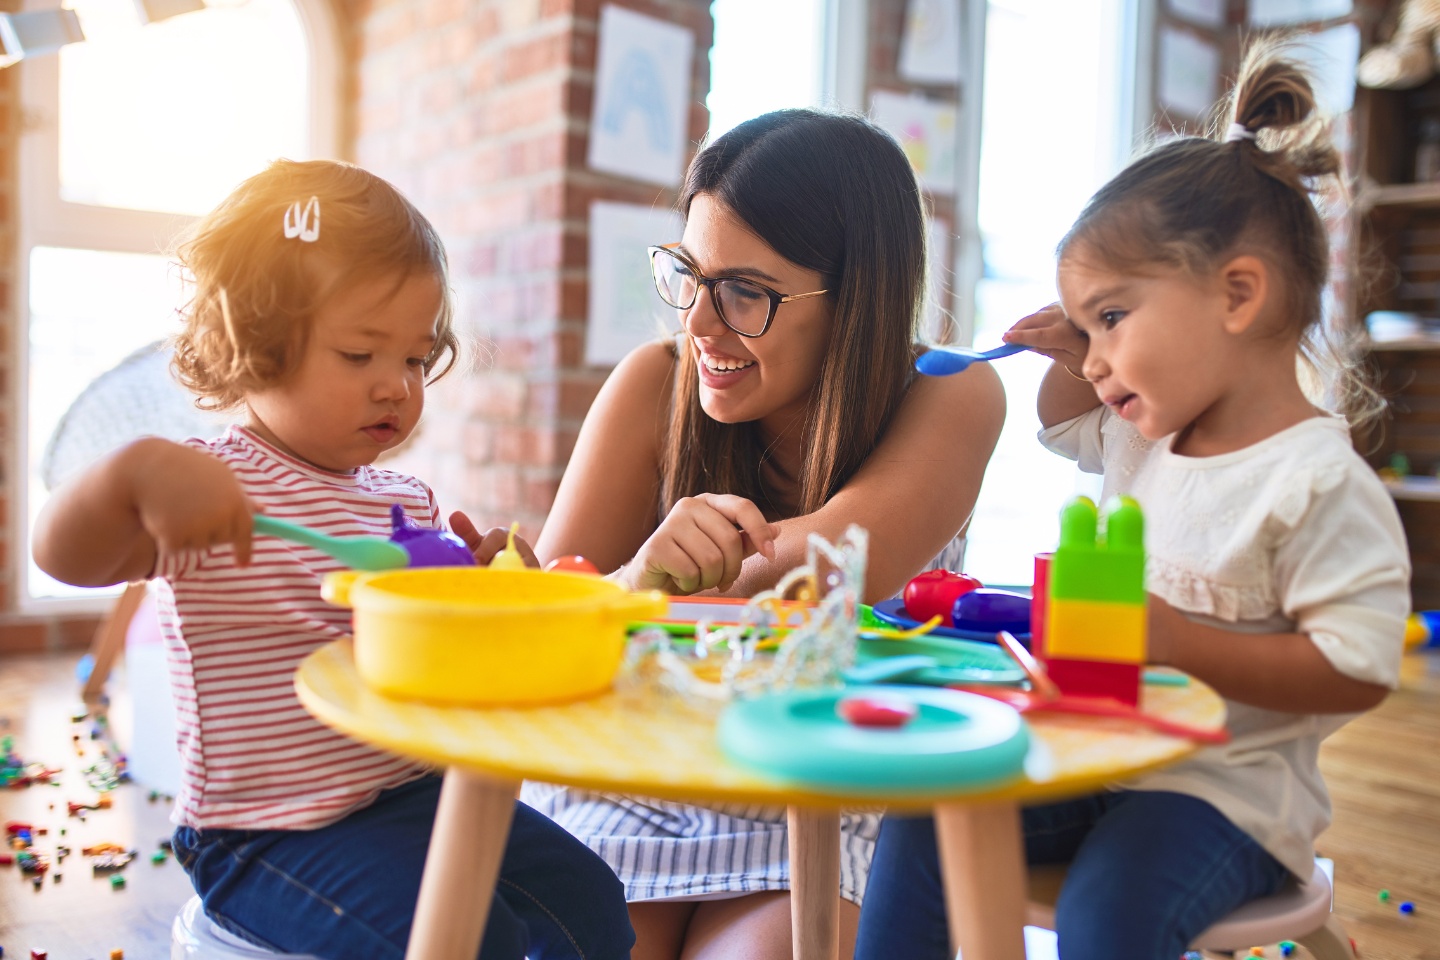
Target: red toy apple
(934, 592)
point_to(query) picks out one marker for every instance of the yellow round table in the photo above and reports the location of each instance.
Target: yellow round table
(653, 745)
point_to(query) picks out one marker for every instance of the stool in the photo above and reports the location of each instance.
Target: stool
(193, 936)
(1299, 912)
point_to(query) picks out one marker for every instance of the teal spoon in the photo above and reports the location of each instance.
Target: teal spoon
(357, 553)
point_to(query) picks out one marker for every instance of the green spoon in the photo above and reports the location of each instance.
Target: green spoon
(357, 553)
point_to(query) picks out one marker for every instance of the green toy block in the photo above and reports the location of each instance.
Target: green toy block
(1102, 566)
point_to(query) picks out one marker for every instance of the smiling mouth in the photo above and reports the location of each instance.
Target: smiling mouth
(721, 366)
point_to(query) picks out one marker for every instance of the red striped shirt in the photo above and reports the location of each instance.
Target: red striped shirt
(251, 757)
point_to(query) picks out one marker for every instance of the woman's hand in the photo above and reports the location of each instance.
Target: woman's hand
(1049, 332)
(186, 499)
(700, 545)
(485, 545)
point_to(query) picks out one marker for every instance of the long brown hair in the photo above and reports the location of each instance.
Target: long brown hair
(831, 193)
(1194, 203)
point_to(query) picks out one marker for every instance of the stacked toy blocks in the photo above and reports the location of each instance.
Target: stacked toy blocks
(1091, 634)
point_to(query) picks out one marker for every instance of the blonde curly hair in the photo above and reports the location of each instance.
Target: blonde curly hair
(256, 292)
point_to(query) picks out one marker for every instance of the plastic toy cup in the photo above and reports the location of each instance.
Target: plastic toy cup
(1039, 599)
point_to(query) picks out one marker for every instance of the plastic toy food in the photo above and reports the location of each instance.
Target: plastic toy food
(991, 610)
(934, 592)
(572, 565)
(425, 547)
(876, 711)
(509, 558)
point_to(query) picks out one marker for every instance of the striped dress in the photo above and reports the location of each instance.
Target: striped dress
(251, 757)
(663, 850)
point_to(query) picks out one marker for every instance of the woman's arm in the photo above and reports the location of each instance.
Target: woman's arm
(108, 525)
(914, 493)
(609, 497)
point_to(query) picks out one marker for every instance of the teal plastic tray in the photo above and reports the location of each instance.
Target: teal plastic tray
(957, 740)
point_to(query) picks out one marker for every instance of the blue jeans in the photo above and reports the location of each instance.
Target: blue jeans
(348, 891)
(1149, 871)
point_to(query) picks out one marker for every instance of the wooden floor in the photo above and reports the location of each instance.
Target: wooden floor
(1383, 771)
(80, 917)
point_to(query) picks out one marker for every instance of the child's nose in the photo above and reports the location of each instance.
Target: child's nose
(1095, 366)
(393, 386)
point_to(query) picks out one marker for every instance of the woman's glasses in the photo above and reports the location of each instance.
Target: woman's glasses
(744, 306)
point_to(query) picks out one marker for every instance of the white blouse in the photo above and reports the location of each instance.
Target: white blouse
(1292, 534)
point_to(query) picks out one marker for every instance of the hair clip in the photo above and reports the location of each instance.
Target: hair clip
(298, 223)
(1237, 131)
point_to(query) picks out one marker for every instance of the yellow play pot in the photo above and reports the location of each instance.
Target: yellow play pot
(470, 635)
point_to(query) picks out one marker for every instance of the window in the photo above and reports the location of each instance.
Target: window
(768, 56)
(1046, 147)
(133, 133)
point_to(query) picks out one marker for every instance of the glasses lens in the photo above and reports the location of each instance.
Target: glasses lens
(744, 306)
(673, 280)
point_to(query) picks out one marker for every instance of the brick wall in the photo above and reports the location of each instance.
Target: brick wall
(479, 110)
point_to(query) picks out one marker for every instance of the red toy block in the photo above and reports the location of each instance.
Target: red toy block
(1095, 678)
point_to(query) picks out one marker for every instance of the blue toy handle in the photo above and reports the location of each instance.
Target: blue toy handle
(943, 361)
(1004, 350)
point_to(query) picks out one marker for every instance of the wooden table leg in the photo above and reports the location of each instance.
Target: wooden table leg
(471, 827)
(814, 884)
(983, 861)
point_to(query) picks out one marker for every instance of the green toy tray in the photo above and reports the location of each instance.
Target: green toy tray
(956, 661)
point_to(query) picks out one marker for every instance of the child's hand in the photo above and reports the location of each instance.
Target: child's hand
(1048, 331)
(485, 545)
(188, 500)
(700, 545)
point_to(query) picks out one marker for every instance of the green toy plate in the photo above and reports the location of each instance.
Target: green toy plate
(956, 661)
(956, 740)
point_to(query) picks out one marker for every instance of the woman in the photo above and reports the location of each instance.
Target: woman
(788, 406)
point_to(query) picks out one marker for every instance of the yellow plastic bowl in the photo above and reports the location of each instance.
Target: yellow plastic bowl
(470, 635)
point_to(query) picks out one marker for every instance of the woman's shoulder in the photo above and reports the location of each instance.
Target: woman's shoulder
(650, 364)
(975, 392)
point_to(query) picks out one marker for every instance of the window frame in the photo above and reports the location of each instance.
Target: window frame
(44, 219)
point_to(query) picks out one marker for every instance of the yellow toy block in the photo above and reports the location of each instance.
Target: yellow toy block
(1095, 630)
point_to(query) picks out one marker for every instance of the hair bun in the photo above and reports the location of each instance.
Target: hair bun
(1274, 93)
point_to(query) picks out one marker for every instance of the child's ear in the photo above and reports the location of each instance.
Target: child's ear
(1246, 286)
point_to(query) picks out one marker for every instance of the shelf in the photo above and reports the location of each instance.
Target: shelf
(1400, 195)
(1414, 488)
(1416, 345)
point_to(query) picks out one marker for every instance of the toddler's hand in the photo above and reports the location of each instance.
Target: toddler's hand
(1048, 331)
(485, 545)
(189, 500)
(700, 545)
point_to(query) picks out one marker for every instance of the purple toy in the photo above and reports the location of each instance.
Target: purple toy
(992, 611)
(427, 548)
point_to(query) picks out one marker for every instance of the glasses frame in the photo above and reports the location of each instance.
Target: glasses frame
(776, 297)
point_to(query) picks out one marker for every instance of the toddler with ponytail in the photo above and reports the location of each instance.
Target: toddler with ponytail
(1193, 367)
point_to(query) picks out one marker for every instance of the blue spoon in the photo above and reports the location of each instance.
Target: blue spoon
(943, 361)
